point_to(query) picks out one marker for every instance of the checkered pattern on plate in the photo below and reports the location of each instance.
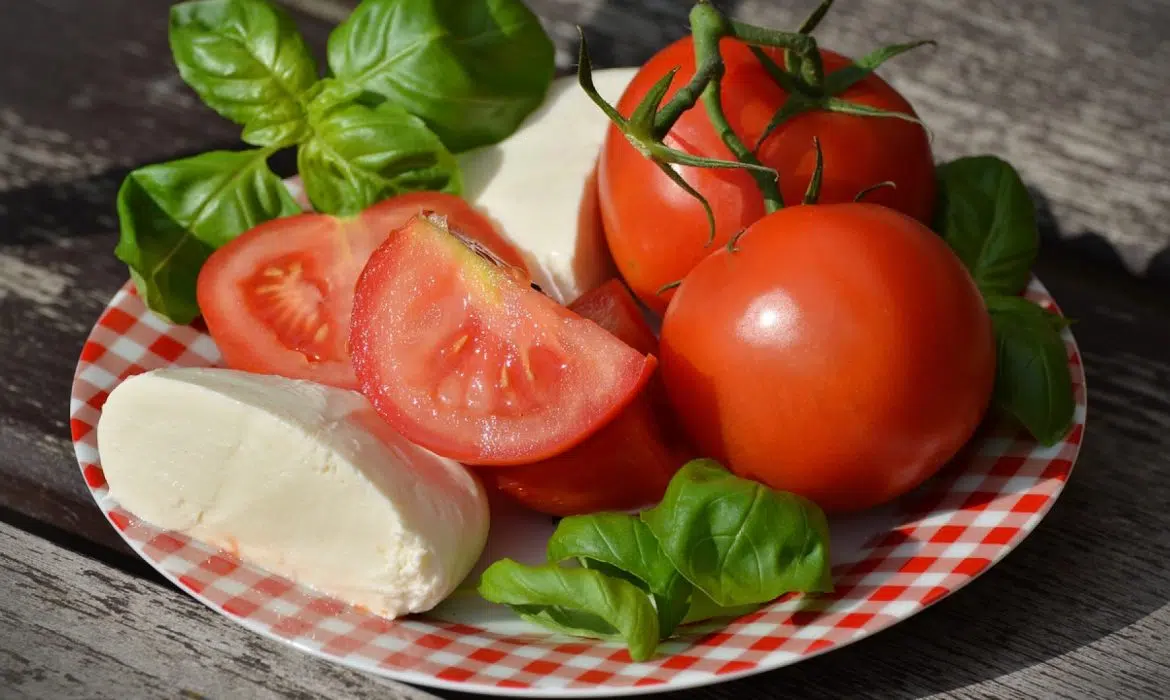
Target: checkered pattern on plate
(888, 563)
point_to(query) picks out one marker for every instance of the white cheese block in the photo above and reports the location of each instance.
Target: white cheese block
(298, 478)
(537, 185)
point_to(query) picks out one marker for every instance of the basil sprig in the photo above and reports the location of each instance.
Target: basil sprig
(415, 80)
(473, 71)
(246, 60)
(716, 546)
(362, 152)
(986, 215)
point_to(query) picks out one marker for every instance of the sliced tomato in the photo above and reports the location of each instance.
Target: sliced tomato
(462, 356)
(277, 300)
(626, 464)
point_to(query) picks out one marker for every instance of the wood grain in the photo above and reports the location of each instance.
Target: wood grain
(74, 628)
(1071, 91)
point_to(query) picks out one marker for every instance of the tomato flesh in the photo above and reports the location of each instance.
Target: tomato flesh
(626, 464)
(842, 352)
(278, 299)
(462, 356)
(657, 232)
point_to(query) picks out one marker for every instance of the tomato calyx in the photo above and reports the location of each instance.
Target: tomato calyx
(646, 127)
(802, 77)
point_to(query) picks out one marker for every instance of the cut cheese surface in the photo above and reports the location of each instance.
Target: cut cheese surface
(298, 478)
(538, 186)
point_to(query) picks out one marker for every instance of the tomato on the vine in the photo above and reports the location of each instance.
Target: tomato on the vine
(657, 232)
(841, 352)
(277, 299)
(626, 464)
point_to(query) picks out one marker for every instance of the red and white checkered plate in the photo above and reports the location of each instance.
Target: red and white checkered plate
(888, 563)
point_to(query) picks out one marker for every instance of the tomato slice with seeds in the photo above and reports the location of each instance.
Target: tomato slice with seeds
(462, 356)
(278, 299)
(629, 462)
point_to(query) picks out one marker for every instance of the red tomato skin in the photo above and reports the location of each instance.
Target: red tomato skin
(329, 252)
(423, 298)
(626, 464)
(657, 232)
(842, 353)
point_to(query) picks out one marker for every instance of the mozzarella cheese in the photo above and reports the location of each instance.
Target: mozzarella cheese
(298, 478)
(538, 186)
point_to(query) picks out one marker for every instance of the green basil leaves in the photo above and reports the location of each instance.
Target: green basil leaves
(621, 545)
(1032, 380)
(739, 541)
(987, 217)
(471, 70)
(716, 546)
(361, 153)
(578, 602)
(246, 61)
(175, 214)
(414, 81)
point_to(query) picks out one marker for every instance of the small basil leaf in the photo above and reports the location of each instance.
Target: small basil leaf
(738, 541)
(987, 217)
(620, 545)
(247, 61)
(173, 215)
(577, 601)
(471, 71)
(1032, 379)
(703, 608)
(359, 154)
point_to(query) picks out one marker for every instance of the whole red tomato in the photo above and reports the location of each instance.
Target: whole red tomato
(657, 232)
(842, 352)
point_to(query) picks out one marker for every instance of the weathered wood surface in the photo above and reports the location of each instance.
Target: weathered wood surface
(71, 627)
(1072, 91)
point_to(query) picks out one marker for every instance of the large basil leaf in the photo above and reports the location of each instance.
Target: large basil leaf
(987, 217)
(738, 541)
(361, 153)
(1032, 380)
(247, 61)
(472, 70)
(621, 545)
(581, 602)
(173, 215)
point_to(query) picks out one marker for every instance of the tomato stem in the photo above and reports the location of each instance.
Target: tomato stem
(813, 193)
(709, 26)
(873, 188)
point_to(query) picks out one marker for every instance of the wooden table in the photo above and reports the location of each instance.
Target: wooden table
(1072, 91)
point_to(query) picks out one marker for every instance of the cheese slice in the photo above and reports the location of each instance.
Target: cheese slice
(539, 188)
(298, 478)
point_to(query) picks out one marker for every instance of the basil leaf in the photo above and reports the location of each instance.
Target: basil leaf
(360, 154)
(620, 545)
(739, 541)
(987, 217)
(247, 61)
(173, 215)
(471, 71)
(1032, 379)
(581, 602)
(703, 608)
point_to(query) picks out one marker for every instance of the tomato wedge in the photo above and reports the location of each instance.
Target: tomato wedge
(459, 354)
(626, 464)
(277, 300)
